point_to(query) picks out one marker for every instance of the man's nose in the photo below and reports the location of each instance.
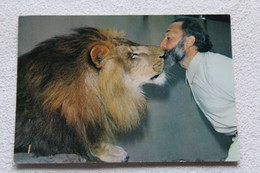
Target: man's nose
(163, 45)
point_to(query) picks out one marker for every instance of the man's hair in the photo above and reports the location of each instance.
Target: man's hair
(192, 27)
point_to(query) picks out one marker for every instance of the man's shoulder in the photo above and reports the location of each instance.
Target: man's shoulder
(215, 61)
(216, 58)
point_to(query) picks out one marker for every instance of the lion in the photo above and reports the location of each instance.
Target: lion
(75, 92)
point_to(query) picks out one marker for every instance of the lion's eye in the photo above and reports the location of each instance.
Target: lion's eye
(134, 55)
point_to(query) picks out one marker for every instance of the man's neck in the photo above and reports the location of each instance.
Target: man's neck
(185, 62)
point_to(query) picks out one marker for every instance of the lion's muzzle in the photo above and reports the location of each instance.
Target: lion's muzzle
(158, 66)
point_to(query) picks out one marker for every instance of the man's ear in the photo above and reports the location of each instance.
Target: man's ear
(98, 53)
(190, 40)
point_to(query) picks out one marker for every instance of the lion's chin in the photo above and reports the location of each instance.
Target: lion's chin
(159, 79)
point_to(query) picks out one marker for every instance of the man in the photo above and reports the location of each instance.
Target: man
(208, 74)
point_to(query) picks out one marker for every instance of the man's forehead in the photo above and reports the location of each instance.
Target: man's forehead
(174, 27)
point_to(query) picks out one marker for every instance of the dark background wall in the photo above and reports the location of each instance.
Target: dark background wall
(174, 128)
(142, 29)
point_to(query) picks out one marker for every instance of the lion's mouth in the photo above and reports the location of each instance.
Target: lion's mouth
(154, 77)
(158, 79)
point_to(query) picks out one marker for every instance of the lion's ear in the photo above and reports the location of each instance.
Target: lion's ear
(98, 54)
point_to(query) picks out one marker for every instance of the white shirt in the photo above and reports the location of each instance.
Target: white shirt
(210, 76)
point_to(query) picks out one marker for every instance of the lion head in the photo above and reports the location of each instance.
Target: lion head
(122, 70)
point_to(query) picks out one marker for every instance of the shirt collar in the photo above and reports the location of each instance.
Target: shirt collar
(193, 67)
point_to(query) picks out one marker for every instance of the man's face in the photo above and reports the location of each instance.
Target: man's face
(173, 44)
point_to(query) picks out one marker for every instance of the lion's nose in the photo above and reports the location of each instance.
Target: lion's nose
(163, 57)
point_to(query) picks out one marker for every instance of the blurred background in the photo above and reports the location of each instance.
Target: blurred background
(174, 129)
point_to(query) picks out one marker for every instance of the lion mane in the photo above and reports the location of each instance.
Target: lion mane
(74, 93)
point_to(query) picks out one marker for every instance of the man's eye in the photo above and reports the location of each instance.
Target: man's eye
(168, 38)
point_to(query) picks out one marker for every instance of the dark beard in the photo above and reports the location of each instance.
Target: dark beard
(174, 55)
